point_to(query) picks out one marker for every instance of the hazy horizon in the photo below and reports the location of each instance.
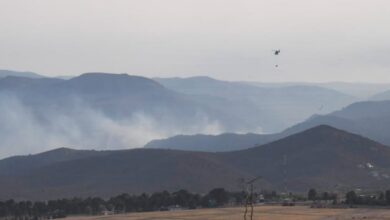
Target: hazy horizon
(320, 41)
(209, 76)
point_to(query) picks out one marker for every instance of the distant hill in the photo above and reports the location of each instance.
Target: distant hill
(21, 85)
(385, 95)
(131, 171)
(5, 73)
(370, 119)
(18, 165)
(321, 157)
(278, 107)
(213, 143)
(114, 111)
(362, 91)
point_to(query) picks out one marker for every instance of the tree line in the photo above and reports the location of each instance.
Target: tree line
(124, 203)
(162, 201)
(378, 199)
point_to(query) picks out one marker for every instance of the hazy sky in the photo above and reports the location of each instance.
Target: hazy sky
(321, 40)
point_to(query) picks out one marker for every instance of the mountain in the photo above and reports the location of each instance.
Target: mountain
(361, 90)
(132, 171)
(278, 107)
(370, 119)
(321, 157)
(385, 95)
(23, 164)
(5, 73)
(114, 111)
(213, 143)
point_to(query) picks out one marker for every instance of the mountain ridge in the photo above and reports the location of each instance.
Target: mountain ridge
(368, 118)
(5, 73)
(280, 107)
(100, 109)
(334, 156)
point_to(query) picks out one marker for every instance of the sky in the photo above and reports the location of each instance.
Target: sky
(320, 41)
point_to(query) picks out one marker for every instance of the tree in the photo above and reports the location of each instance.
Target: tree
(381, 196)
(182, 198)
(160, 200)
(351, 197)
(387, 196)
(312, 194)
(325, 196)
(219, 195)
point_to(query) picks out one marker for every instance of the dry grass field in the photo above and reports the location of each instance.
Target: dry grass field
(262, 212)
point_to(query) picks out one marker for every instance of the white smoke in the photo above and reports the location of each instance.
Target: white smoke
(23, 131)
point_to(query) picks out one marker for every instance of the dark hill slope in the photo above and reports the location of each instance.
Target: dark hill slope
(321, 157)
(19, 165)
(131, 171)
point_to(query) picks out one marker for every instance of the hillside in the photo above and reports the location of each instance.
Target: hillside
(132, 171)
(385, 95)
(5, 73)
(18, 165)
(279, 106)
(213, 143)
(320, 157)
(360, 90)
(116, 110)
(370, 119)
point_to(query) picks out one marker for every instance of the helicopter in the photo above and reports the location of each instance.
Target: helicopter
(276, 53)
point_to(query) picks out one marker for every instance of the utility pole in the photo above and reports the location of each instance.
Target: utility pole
(249, 197)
